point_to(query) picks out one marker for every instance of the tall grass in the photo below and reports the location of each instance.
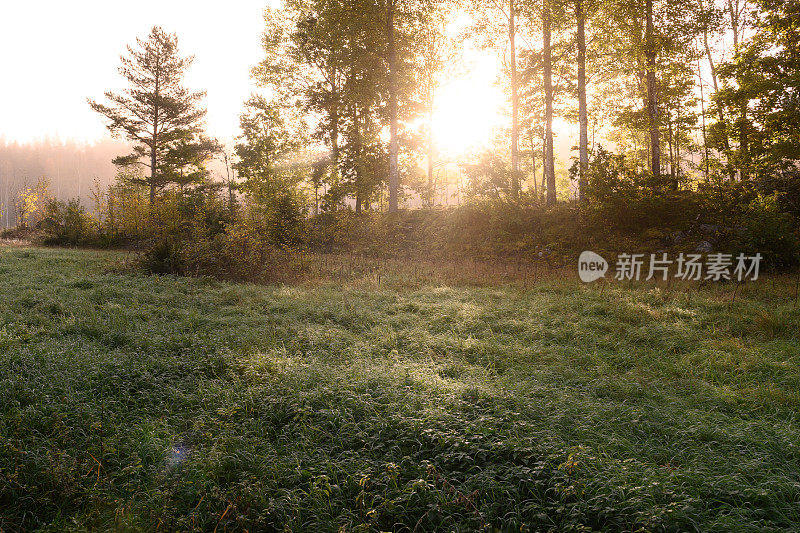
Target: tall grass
(420, 403)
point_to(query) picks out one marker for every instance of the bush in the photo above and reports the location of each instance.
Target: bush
(770, 232)
(630, 202)
(199, 238)
(284, 219)
(68, 223)
(164, 257)
(483, 229)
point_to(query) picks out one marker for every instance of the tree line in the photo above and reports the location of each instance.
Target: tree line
(349, 88)
(696, 101)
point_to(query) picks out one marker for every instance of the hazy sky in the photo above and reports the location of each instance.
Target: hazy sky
(55, 53)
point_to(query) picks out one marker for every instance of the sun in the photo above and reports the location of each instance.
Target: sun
(468, 109)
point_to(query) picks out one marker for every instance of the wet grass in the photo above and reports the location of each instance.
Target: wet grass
(130, 402)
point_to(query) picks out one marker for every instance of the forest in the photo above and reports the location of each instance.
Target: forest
(685, 139)
(467, 265)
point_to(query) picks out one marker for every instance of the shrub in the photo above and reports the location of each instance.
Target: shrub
(724, 201)
(68, 223)
(631, 202)
(482, 229)
(163, 257)
(199, 238)
(770, 232)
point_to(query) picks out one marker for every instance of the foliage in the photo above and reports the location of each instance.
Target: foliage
(724, 201)
(332, 61)
(631, 202)
(68, 223)
(30, 203)
(158, 115)
(489, 177)
(482, 230)
(266, 148)
(761, 85)
(195, 236)
(771, 232)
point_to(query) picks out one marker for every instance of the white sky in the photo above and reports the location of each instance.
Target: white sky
(55, 53)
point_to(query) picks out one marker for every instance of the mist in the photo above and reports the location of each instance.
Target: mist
(72, 168)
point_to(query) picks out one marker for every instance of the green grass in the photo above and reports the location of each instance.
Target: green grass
(387, 407)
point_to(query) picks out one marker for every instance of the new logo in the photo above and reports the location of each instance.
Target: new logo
(591, 266)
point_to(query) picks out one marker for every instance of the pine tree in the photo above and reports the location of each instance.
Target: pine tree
(157, 114)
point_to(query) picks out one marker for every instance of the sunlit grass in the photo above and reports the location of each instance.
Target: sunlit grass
(392, 404)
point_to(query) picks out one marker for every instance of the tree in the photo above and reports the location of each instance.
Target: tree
(532, 110)
(184, 162)
(351, 66)
(650, 52)
(437, 52)
(30, 202)
(507, 18)
(711, 20)
(762, 82)
(157, 113)
(394, 147)
(265, 149)
(648, 41)
(583, 118)
(305, 64)
(547, 53)
(512, 43)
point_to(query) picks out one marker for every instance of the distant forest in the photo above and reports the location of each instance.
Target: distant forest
(71, 168)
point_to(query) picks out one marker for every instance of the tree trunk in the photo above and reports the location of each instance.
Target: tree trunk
(515, 186)
(703, 116)
(153, 173)
(549, 165)
(544, 165)
(721, 115)
(744, 155)
(394, 148)
(334, 116)
(431, 190)
(671, 139)
(335, 147)
(677, 143)
(652, 98)
(583, 116)
(533, 161)
(733, 11)
(154, 146)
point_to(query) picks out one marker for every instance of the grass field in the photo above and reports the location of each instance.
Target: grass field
(153, 403)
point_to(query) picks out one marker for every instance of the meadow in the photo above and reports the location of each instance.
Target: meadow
(392, 403)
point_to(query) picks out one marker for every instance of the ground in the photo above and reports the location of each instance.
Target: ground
(135, 402)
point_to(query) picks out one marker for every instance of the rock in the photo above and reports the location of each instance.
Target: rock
(709, 229)
(704, 247)
(678, 237)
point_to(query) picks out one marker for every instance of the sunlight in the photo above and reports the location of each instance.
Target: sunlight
(363, 265)
(468, 109)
